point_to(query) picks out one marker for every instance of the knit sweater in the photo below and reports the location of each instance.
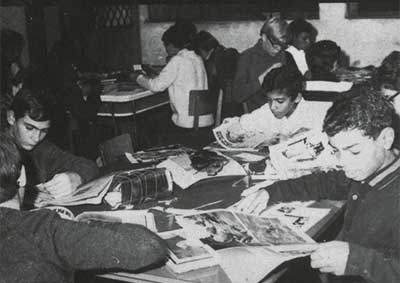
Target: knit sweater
(40, 247)
(252, 63)
(371, 223)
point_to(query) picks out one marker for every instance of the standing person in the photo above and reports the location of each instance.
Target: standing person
(301, 35)
(368, 246)
(183, 73)
(58, 172)
(255, 62)
(40, 247)
(220, 63)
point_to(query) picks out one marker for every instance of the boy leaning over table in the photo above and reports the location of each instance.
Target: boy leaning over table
(368, 246)
(41, 247)
(53, 169)
(286, 111)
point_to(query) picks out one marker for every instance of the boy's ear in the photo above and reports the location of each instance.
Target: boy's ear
(11, 117)
(386, 137)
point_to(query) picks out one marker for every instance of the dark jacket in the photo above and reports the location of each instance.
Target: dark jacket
(46, 160)
(41, 247)
(252, 63)
(371, 223)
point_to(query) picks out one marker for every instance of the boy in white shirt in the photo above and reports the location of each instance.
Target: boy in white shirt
(184, 72)
(286, 112)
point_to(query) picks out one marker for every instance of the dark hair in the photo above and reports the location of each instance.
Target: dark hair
(189, 30)
(10, 168)
(35, 103)
(286, 78)
(298, 26)
(389, 70)
(363, 109)
(205, 41)
(176, 36)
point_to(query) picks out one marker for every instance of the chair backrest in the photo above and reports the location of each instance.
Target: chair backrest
(112, 149)
(201, 102)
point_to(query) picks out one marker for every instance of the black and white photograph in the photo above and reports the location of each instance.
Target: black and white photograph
(267, 131)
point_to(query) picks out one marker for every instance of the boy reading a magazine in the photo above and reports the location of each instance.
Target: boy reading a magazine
(41, 247)
(368, 246)
(286, 112)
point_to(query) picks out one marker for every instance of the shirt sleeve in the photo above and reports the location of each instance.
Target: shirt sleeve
(166, 77)
(331, 185)
(256, 120)
(53, 160)
(373, 265)
(97, 245)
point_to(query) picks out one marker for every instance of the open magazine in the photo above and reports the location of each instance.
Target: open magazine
(235, 237)
(230, 135)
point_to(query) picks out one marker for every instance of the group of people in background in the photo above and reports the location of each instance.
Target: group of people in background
(267, 79)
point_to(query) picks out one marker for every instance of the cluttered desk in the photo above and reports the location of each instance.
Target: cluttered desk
(188, 198)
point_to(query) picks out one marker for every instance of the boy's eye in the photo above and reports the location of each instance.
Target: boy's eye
(355, 152)
(29, 128)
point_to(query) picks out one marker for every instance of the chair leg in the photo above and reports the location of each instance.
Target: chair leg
(219, 108)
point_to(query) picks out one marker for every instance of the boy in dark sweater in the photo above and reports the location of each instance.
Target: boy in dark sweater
(368, 246)
(53, 169)
(41, 247)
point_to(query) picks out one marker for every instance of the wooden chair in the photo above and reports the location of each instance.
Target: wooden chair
(202, 102)
(114, 148)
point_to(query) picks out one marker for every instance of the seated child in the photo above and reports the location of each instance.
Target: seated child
(286, 112)
(301, 35)
(322, 58)
(388, 78)
(41, 247)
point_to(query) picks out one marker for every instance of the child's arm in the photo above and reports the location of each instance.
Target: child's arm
(74, 245)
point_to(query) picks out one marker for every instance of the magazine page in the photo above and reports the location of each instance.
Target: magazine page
(184, 175)
(89, 193)
(301, 155)
(260, 262)
(223, 228)
(230, 135)
(301, 217)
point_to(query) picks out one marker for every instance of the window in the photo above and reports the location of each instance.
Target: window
(231, 11)
(373, 9)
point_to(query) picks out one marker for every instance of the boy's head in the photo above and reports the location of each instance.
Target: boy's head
(283, 86)
(204, 42)
(361, 129)
(29, 117)
(388, 74)
(274, 35)
(301, 34)
(175, 38)
(10, 168)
